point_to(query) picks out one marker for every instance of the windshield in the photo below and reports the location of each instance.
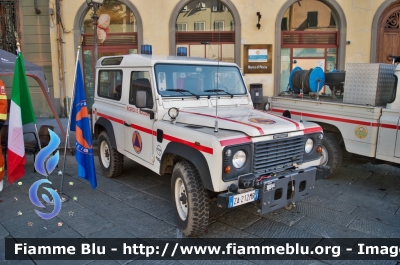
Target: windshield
(177, 80)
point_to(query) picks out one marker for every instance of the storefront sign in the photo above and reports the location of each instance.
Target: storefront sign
(257, 59)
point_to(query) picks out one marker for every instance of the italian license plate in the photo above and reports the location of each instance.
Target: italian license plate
(242, 198)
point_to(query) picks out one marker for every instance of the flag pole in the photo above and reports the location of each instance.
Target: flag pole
(69, 117)
(19, 50)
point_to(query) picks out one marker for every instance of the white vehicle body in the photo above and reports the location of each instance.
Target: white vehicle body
(204, 135)
(368, 131)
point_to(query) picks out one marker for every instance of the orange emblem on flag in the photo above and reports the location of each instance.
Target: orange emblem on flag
(137, 142)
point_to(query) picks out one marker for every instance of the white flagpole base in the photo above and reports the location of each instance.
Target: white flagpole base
(1, 185)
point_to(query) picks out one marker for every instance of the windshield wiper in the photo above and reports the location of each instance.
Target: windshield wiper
(219, 90)
(182, 90)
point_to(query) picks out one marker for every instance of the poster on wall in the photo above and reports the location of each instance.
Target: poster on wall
(257, 59)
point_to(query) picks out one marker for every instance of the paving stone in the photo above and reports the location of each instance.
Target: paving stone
(18, 226)
(375, 228)
(328, 187)
(216, 211)
(383, 169)
(368, 202)
(267, 228)
(285, 216)
(238, 218)
(118, 190)
(377, 216)
(67, 232)
(103, 262)
(149, 203)
(392, 197)
(163, 191)
(62, 262)
(85, 221)
(9, 207)
(137, 182)
(168, 217)
(380, 182)
(284, 262)
(216, 262)
(221, 230)
(3, 232)
(111, 232)
(329, 230)
(350, 175)
(361, 262)
(320, 212)
(347, 207)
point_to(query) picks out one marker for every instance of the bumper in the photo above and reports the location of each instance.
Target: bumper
(323, 172)
(275, 193)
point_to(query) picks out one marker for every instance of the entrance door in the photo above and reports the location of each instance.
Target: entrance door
(389, 34)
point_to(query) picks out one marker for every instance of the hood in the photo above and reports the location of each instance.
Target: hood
(251, 122)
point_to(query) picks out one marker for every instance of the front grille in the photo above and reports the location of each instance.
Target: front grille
(278, 155)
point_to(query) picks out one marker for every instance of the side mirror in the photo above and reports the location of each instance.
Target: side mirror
(141, 99)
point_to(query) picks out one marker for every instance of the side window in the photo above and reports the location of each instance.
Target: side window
(110, 84)
(140, 81)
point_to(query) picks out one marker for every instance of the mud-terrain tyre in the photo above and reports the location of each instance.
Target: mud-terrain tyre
(331, 153)
(111, 161)
(190, 199)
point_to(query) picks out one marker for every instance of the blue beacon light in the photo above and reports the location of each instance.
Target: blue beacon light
(147, 49)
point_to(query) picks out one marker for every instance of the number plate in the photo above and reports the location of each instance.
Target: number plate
(242, 198)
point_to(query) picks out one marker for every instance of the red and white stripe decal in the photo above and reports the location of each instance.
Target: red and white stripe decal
(373, 124)
(389, 126)
(312, 130)
(240, 140)
(260, 130)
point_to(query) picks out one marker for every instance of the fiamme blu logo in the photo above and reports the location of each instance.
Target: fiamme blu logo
(45, 165)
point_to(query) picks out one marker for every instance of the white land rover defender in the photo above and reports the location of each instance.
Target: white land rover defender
(194, 118)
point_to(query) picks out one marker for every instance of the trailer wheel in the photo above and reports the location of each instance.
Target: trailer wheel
(190, 198)
(111, 161)
(331, 153)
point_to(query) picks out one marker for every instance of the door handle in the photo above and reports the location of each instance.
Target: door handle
(127, 124)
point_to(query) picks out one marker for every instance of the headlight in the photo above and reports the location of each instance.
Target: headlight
(239, 158)
(309, 145)
(173, 113)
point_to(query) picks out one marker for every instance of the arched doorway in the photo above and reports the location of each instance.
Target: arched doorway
(311, 33)
(117, 30)
(388, 36)
(207, 28)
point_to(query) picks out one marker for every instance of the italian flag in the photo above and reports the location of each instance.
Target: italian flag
(21, 112)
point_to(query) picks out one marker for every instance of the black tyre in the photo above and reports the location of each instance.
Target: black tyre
(111, 161)
(190, 199)
(331, 153)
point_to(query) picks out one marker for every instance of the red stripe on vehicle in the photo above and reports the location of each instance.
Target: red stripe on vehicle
(198, 147)
(260, 130)
(287, 119)
(240, 140)
(355, 122)
(388, 126)
(142, 129)
(110, 118)
(312, 130)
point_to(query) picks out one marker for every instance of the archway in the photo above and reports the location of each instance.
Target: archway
(120, 32)
(324, 44)
(208, 28)
(388, 33)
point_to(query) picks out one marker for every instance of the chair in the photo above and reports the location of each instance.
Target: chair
(32, 146)
(142, 84)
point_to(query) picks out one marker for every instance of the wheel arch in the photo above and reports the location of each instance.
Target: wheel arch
(326, 127)
(177, 151)
(103, 124)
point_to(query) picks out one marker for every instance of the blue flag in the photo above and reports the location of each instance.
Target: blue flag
(81, 125)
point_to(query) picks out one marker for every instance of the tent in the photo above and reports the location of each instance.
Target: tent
(7, 66)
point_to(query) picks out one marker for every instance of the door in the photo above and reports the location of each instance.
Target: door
(138, 125)
(388, 42)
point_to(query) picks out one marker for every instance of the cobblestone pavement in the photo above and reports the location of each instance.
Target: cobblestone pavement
(360, 201)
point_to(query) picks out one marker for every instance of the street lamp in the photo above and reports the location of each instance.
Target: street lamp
(96, 4)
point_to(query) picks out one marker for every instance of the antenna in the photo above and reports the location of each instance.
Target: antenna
(216, 129)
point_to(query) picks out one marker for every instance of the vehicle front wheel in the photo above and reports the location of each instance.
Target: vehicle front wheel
(190, 198)
(331, 153)
(111, 161)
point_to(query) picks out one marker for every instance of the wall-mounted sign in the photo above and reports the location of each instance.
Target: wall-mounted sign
(257, 59)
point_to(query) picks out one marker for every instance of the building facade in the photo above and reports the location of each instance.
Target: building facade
(306, 33)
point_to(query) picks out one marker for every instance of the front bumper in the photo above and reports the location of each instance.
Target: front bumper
(278, 191)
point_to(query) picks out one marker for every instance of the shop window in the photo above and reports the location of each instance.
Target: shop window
(199, 26)
(312, 19)
(219, 25)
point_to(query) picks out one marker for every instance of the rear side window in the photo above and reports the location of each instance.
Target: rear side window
(110, 84)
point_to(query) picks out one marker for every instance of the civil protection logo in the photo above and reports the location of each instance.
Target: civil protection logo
(45, 168)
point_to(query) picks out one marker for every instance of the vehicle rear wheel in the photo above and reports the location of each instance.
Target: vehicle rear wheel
(331, 153)
(190, 198)
(111, 161)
